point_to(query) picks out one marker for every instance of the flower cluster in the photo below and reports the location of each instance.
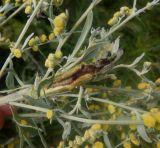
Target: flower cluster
(53, 59)
(59, 23)
(124, 11)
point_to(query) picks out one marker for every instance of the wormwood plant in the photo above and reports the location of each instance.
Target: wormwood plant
(79, 91)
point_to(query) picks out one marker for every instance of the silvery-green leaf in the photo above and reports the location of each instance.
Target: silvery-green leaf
(84, 33)
(106, 140)
(67, 130)
(116, 46)
(27, 40)
(141, 130)
(138, 59)
(10, 80)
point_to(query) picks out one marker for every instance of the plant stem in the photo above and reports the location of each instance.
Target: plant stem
(28, 106)
(91, 121)
(92, 5)
(13, 14)
(130, 17)
(116, 104)
(21, 36)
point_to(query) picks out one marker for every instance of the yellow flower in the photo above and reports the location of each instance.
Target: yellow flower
(112, 21)
(57, 31)
(117, 83)
(117, 14)
(127, 145)
(157, 81)
(143, 85)
(35, 48)
(98, 144)
(134, 139)
(124, 10)
(28, 9)
(157, 116)
(59, 22)
(24, 122)
(31, 42)
(158, 144)
(86, 134)
(16, 52)
(58, 54)
(43, 38)
(148, 120)
(96, 126)
(50, 114)
(111, 109)
(51, 36)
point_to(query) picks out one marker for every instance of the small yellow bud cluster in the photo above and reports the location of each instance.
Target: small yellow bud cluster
(28, 8)
(53, 59)
(134, 139)
(50, 61)
(51, 36)
(127, 144)
(124, 11)
(143, 86)
(50, 114)
(117, 83)
(43, 38)
(16, 52)
(157, 82)
(152, 119)
(59, 23)
(33, 43)
(98, 144)
(90, 135)
(24, 122)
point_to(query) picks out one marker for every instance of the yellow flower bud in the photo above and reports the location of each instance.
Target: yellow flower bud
(35, 48)
(96, 126)
(50, 114)
(24, 122)
(111, 109)
(112, 21)
(157, 81)
(134, 139)
(117, 83)
(28, 9)
(117, 14)
(51, 36)
(58, 54)
(127, 145)
(98, 144)
(16, 52)
(57, 31)
(59, 22)
(143, 85)
(148, 120)
(51, 57)
(31, 42)
(43, 38)
(86, 134)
